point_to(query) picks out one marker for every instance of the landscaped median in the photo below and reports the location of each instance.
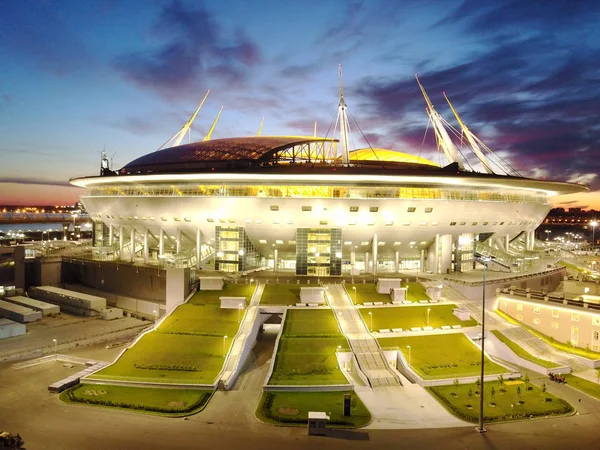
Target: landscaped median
(503, 400)
(291, 408)
(188, 347)
(365, 293)
(163, 401)
(407, 317)
(440, 356)
(282, 294)
(306, 354)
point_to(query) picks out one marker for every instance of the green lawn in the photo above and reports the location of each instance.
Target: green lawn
(407, 317)
(306, 351)
(521, 352)
(368, 293)
(573, 267)
(508, 405)
(188, 347)
(589, 387)
(291, 408)
(567, 348)
(442, 355)
(157, 400)
(318, 322)
(282, 294)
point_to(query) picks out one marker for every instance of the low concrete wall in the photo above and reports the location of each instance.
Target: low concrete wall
(276, 347)
(308, 388)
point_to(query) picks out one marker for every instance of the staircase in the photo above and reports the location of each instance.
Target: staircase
(365, 347)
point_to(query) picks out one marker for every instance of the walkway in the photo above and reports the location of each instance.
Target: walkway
(368, 353)
(233, 358)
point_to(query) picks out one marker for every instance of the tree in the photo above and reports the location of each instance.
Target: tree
(470, 394)
(543, 392)
(456, 384)
(478, 384)
(493, 395)
(501, 381)
(519, 394)
(526, 380)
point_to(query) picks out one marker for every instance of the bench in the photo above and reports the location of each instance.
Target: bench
(397, 330)
(300, 304)
(313, 304)
(377, 303)
(385, 330)
(433, 301)
(456, 327)
(423, 301)
(416, 329)
(427, 328)
(397, 302)
(446, 327)
(368, 303)
(406, 302)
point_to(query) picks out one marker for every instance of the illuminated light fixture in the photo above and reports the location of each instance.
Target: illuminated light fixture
(290, 222)
(397, 243)
(187, 219)
(222, 220)
(423, 242)
(136, 217)
(364, 243)
(389, 224)
(210, 220)
(317, 254)
(370, 224)
(406, 224)
(412, 243)
(422, 224)
(279, 242)
(276, 222)
(262, 241)
(338, 254)
(435, 224)
(462, 240)
(248, 220)
(231, 220)
(352, 222)
(381, 243)
(292, 242)
(347, 242)
(258, 221)
(219, 254)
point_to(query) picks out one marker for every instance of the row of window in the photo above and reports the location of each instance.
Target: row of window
(556, 314)
(362, 191)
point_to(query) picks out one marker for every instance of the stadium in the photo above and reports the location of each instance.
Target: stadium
(311, 206)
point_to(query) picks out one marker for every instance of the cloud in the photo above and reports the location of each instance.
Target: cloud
(193, 49)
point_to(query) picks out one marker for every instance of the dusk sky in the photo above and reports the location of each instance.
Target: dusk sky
(78, 76)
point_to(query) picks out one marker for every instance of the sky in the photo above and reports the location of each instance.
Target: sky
(124, 76)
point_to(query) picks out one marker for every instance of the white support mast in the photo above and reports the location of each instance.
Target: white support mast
(440, 131)
(207, 137)
(178, 137)
(344, 128)
(484, 160)
(260, 127)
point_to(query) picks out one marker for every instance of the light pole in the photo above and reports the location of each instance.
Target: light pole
(224, 338)
(408, 347)
(480, 429)
(428, 311)
(239, 309)
(547, 234)
(354, 289)
(155, 315)
(74, 217)
(593, 223)
(371, 316)
(55, 349)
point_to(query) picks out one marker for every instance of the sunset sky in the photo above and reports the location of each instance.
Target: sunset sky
(80, 76)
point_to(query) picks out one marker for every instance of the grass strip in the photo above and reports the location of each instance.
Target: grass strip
(589, 387)
(521, 352)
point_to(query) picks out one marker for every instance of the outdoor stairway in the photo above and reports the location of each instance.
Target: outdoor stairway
(368, 353)
(539, 348)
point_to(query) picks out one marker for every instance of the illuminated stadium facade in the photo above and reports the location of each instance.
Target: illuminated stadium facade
(311, 206)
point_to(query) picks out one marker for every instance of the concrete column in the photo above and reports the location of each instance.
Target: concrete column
(161, 242)
(146, 249)
(198, 247)
(397, 261)
(437, 268)
(532, 239)
(111, 235)
(366, 262)
(121, 241)
(132, 244)
(507, 241)
(422, 265)
(275, 259)
(178, 241)
(375, 244)
(352, 259)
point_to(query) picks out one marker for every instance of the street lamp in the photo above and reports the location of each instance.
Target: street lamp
(155, 315)
(240, 306)
(593, 223)
(408, 347)
(224, 338)
(371, 316)
(55, 349)
(480, 429)
(354, 289)
(428, 311)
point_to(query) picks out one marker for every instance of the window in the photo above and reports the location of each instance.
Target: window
(555, 313)
(536, 321)
(428, 210)
(474, 223)
(536, 309)
(555, 325)
(307, 208)
(163, 218)
(596, 321)
(411, 209)
(323, 222)
(176, 219)
(595, 335)
(452, 224)
(373, 209)
(575, 317)
(485, 223)
(187, 219)
(354, 209)
(501, 223)
(231, 220)
(462, 224)
(519, 316)
(519, 306)
(292, 242)
(274, 207)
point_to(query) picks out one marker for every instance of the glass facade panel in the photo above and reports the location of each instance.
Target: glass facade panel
(318, 251)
